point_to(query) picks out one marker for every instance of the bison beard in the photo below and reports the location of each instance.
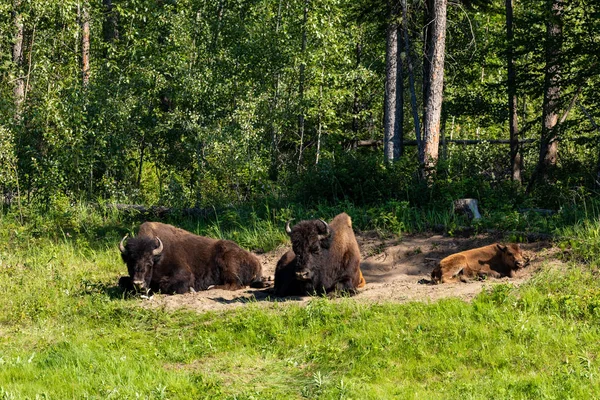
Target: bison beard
(325, 259)
(166, 259)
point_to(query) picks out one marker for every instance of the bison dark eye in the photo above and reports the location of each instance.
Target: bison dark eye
(315, 249)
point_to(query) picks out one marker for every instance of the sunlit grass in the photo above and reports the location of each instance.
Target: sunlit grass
(66, 331)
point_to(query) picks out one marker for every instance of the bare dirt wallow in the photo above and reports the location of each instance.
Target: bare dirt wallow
(395, 269)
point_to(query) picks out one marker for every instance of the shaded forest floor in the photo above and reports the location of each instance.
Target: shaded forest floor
(394, 268)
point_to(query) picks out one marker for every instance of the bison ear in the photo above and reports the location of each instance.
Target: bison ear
(501, 247)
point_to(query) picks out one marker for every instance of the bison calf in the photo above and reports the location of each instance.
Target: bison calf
(166, 259)
(495, 260)
(324, 258)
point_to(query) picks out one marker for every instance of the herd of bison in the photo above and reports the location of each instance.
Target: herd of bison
(324, 260)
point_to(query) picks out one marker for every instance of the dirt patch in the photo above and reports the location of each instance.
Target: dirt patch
(393, 268)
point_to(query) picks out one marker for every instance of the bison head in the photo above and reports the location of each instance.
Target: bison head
(512, 256)
(308, 238)
(141, 255)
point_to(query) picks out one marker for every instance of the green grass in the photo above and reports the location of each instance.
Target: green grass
(66, 331)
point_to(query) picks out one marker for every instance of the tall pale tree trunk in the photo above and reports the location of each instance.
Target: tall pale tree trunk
(274, 167)
(516, 159)
(552, 87)
(301, 85)
(17, 56)
(356, 104)
(391, 69)
(411, 82)
(428, 20)
(433, 106)
(85, 44)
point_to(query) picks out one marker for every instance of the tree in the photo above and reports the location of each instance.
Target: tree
(17, 56)
(516, 159)
(433, 105)
(411, 82)
(552, 87)
(301, 83)
(391, 73)
(85, 44)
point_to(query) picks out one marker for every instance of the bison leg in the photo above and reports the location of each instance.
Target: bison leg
(229, 286)
(489, 272)
(345, 286)
(260, 283)
(177, 284)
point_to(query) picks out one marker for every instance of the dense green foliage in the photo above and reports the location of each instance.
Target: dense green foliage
(196, 103)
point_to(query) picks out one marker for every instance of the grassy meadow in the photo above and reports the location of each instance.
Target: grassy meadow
(67, 332)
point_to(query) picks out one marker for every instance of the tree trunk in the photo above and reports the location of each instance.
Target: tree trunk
(433, 107)
(399, 123)
(428, 21)
(355, 105)
(85, 44)
(109, 25)
(301, 85)
(274, 168)
(391, 69)
(411, 82)
(552, 88)
(516, 159)
(17, 55)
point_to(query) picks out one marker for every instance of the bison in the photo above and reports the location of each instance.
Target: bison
(166, 259)
(325, 258)
(495, 260)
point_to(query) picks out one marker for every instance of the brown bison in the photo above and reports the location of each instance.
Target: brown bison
(324, 258)
(166, 259)
(495, 260)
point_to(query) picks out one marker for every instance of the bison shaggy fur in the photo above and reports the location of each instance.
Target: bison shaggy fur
(325, 258)
(495, 260)
(166, 259)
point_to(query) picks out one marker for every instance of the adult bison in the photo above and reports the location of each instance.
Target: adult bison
(166, 259)
(324, 258)
(495, 260)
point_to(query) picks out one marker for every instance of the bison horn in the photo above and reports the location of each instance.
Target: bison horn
(121, 245)
(327, 232)
(159, 249)
(288, 230)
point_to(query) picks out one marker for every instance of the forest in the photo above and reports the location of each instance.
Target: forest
(229, 118)
(204, 104)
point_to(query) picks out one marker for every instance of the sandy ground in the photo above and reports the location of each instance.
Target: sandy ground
(395, 269)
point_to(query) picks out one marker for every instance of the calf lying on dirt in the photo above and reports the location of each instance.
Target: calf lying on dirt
(495, 260)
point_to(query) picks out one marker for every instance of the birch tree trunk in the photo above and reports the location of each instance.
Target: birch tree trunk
(356, 105)
(433, 107)
(17, 56)
(274, 167)
(399, 123)
(301, 85)
(391, 59)
(516, 159)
